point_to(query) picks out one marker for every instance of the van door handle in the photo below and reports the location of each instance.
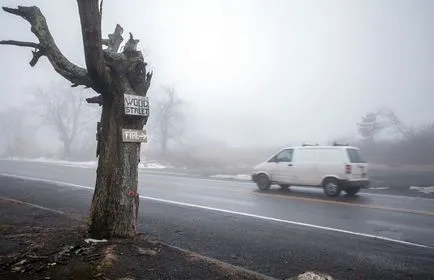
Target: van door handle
(290, 164)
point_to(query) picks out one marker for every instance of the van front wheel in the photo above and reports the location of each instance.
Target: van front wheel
(263, 182)
(332, 187)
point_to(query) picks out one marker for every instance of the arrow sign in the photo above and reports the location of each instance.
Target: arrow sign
(134, 135)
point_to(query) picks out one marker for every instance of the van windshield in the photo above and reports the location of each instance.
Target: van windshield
(354, 156)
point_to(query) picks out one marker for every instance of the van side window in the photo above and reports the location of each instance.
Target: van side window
(284, 156)
(354, 156)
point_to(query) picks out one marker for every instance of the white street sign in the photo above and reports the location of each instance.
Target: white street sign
(136, 105)
(134, 135)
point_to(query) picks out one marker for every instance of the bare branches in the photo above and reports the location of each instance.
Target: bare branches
(102, 65)
(37, 53)
(18, 12)
(21, 44)
(115, 39)
(63, 109)
(47, 46)
(167, 120)
(90, 19)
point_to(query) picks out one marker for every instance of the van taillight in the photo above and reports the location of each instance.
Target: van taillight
(348, 169)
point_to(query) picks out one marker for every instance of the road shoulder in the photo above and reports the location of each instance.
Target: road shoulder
(37, 243)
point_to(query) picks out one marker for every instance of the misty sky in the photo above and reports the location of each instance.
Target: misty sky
(257, 71)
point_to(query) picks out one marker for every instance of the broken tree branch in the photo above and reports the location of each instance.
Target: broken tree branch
(95, 100)
(21, 44)
(148, 80)
(37, 53)
(100, 7)
(90, 20)
(47, 46)
(131, 44)
(115, 39)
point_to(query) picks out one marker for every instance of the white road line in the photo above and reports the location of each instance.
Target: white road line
(32, 205)
(45, 181)
(398, 196)
(243, 184)
(161, 172)
(238, 182)
(84, 166)
(185, 204)
(282, 221)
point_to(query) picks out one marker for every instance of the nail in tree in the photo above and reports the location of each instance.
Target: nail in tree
(111, 74)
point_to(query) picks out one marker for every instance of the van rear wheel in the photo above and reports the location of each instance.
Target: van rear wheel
(263, 182)
(331, 187)
(352, 191)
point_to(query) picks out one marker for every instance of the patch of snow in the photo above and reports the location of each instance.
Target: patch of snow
(152, 165)
(91, 240)
(379, 188)
(161, 172)
(312, 276)
(81, 164)
(86, 164)
(242, 177)
(426, 190)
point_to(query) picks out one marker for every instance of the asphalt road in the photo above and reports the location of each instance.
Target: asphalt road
(276, 233)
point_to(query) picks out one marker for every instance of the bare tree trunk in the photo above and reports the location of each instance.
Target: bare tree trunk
(66, 149)
(164, 145)
(117, 175)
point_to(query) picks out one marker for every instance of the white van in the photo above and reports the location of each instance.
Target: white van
(334, 168)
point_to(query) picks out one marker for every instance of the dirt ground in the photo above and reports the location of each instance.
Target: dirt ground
(38, 244)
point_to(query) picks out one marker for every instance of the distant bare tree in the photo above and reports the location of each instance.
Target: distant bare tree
(413, 148)
(65, 112)
(395, 122)
(370, 126)
(168, 122)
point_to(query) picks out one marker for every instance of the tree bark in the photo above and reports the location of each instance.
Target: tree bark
(90, 19)
(115, 201)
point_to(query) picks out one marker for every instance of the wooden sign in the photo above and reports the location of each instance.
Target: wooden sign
(134, 135)
(136, 105)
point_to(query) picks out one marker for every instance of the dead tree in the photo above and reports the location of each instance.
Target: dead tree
(395, 122)
(168, 118)
(111, 74)
(65, 112)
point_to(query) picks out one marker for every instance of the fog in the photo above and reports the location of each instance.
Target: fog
(254, 72)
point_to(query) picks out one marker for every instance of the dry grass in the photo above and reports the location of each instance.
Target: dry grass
(109, 257)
